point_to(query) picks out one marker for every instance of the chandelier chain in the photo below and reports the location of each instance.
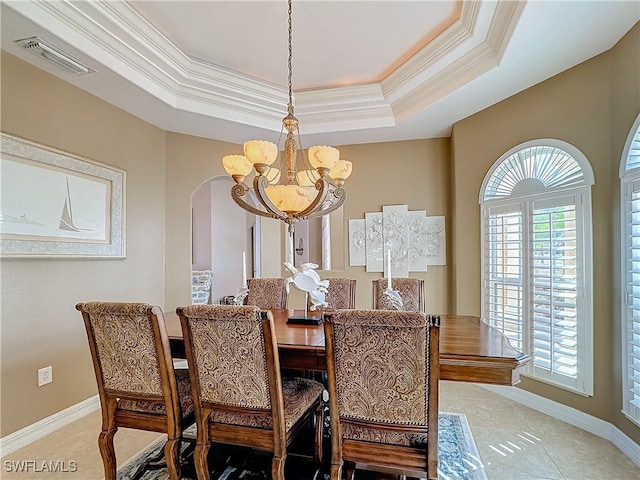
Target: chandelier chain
(290, 106)
(314, 194)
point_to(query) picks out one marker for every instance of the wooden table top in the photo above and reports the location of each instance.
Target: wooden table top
(470, 350)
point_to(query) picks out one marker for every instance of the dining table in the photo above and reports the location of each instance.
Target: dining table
(470, 349)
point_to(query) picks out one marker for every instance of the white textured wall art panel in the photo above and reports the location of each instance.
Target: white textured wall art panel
(436, 241)
(418, 254)
(373, 241)
(357, 250)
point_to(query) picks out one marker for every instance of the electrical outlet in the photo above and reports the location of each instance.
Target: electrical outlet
(45, 375)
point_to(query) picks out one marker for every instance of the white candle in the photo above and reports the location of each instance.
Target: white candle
(389, 269)
(244, 269)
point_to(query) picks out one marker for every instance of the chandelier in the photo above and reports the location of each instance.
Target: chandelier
(313, 190)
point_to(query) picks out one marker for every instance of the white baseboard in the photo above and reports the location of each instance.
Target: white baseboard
(33, 432)
(572, 416)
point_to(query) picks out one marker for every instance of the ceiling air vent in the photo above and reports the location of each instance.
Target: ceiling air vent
(49, 52)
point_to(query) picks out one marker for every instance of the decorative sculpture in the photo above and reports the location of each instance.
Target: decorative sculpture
(240, 295)
(307, 280)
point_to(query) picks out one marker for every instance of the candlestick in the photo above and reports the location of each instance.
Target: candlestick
(244, 269)
(389, 269)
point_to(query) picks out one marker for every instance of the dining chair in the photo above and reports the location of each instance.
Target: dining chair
(267, 293)
(411, 291)
(341, 293)
(383, 371)
(137, 384)
(240, 396)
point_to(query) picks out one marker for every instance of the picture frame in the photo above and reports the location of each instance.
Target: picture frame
(56, 204)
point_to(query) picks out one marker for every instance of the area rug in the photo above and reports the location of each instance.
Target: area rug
(458, 459)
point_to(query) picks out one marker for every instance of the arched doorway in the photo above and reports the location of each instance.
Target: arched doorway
(220, 233)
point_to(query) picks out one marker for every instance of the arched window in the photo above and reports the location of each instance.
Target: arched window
(536, 272)
(630, 206)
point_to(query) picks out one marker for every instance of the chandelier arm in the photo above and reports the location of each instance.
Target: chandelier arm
(341, 197)
(260, 183)
(322, 185)
(239, 191)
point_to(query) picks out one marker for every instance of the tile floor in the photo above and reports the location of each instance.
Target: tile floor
(514, 442)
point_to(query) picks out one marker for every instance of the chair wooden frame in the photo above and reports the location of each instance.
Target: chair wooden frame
(172, 422)
(402, 284)
(407, 460)
(277, 438)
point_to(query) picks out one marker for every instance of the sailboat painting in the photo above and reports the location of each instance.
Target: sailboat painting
(52, 205)
(56, 204)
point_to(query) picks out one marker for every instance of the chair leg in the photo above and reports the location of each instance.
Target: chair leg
(351, 470)
(108, 453)
(277, 467)
(319, 418)
(200, 456)
(172, 456)
(336, 472)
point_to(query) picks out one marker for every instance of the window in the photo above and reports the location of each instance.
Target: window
(536, 243)
(630, 203)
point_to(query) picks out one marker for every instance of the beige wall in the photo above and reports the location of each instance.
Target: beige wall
(39, 324)
(201, 220)
(413, 173)
(190, 162)
(625, 107)
(193, 160)
(591, 106)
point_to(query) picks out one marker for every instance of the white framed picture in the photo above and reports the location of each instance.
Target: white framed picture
(53, 203)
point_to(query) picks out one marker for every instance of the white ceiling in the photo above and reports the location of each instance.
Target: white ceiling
(363, 71)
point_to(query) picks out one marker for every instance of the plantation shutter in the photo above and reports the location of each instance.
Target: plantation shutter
(631, 395)
(504, 274)
(633, 157)
(537, 276)
(555, 259)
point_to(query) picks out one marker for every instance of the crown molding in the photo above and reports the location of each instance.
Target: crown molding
(479, 38)
(115, 35)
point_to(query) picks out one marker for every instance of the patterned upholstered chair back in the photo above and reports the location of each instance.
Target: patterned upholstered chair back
(341, 293)
(240, 396)
(137, 384)
(267, 293)
(125, 343)
(383, 372)
(411, 291)
(228, 353)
